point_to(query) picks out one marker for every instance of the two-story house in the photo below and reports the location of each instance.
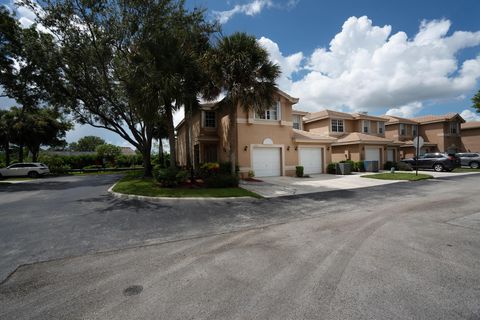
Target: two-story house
(269, 143)
(470, 133)
(359, 136)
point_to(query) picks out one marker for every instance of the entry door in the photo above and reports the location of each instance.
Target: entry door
(266, 162)
(391, 155)
(311, 160)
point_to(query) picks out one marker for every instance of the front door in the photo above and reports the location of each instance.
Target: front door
(210, 153)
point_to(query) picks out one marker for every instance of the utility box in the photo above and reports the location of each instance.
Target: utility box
(371, 165)
(344, 168)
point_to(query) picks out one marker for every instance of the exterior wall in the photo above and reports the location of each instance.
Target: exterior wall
(471, 140)
(347, 152)
(438, 133)
(392, 132)
(182, 146)
(319, 127)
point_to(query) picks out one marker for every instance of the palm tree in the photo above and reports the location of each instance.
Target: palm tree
(242, 69)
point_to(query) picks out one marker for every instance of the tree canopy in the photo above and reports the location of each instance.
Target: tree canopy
(87, 143)
(476, 101)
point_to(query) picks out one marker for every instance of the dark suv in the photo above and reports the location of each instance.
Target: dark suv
(437, 161)
(469, 159)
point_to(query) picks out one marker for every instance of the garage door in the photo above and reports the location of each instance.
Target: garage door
(266, 162)
(372, 154)
(311, 160)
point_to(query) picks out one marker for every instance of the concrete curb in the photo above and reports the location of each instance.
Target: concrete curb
(159, 199)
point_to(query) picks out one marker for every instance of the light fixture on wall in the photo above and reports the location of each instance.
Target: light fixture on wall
(245, 148)
(296, 148)
(288, 148)
(328, 148)
(385, 148)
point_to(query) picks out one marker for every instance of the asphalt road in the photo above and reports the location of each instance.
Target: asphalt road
(405, 251)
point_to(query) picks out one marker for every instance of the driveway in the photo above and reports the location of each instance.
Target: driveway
(408, 251)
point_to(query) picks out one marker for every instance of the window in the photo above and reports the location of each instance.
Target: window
(297, 122)
(402, 129)
(366, 126)
(210, 119)
(414, 130)
(381, 127)
(337, 125)
(269, 114)
(454, 128)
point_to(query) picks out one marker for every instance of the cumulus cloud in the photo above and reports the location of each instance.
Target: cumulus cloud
(250, 9)
(406, 111)
(367, 68)
(469, 115)
(288, 64)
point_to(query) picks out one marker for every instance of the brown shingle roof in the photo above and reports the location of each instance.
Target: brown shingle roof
(438, 118)
(324, 114)
(357, 137)
(470, 125)
(394, 120)
(306, 135)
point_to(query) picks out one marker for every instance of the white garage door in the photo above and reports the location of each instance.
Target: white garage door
(311, 160)
(372, 154)
(266, 162)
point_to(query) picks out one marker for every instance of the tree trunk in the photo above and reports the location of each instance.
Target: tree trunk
(20, 152)
(188, 146)
(7, 153)
(233, 138)
(147, 164)
(171, 136)
(35, 152)
(161, 158)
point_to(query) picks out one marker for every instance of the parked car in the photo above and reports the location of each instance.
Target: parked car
(31, 169)
(469, 159)
(437, 161)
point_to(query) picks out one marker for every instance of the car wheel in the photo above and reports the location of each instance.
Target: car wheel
(474, 165)
(438, 167)
(33, 174)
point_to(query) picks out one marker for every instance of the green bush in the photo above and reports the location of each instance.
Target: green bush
(55, 163)
(124, 161)
(389, 165)
(299, 171)
(226, 167)
(222, 180)
(402, 166)
(359, 166)
(93, 167)
(169, 177)
(332, 168)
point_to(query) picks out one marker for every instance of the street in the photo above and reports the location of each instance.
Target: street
(401, 251)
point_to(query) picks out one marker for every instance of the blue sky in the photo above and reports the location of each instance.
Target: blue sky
(407, 58)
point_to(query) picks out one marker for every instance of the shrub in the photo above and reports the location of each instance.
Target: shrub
(299, 171)
(226, 167)
(402, 166)
(359, 166)
(222, 180)
(251, 173)
(332, 168)
(93, 167)
(389, 165)
(169, 177)
(55, 164)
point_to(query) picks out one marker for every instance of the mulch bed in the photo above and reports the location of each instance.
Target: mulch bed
(252, 180)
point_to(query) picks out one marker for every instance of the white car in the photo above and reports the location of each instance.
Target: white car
(31, 169)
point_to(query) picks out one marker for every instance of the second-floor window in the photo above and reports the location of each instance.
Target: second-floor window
(454, 128)
(414, 130)
(337, 125)
(210, 121)
(366, 126)
(381, 127)
(403, 130)
(270, 114)
(297, 122)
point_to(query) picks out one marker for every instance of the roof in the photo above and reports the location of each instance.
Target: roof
(357, 137)
(310, 136)
(470, 125)
(127, 151)
(325, 114)
(395, 120)
(300, 112)
(409, 143)
(287, 96)
(438, 118)
(365, 116)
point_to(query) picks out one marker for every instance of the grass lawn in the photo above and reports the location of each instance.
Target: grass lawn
(147, 187)
(398, 176)
(466, 170)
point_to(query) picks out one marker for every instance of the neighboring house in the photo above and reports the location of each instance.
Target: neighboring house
(268, 142)
(358, 136)
(127, 151)
(470, 133)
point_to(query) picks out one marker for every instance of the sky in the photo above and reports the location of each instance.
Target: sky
(405, 58)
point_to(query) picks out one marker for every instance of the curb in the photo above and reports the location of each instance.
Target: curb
(159, 199)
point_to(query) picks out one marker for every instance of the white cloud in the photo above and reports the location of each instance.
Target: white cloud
(469, 115)
(366, 68)
(250, 9)
(406, 111)
(289, 64)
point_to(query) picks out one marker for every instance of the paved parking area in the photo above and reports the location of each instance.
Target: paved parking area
(271, 187)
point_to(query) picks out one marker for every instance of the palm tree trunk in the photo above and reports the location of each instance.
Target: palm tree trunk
(233, 138)
(171, 135)
(7, 153)
(161, 158)
(20, 152)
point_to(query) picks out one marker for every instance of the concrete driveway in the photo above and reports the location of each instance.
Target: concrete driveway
(271, 187)
(411, 251)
